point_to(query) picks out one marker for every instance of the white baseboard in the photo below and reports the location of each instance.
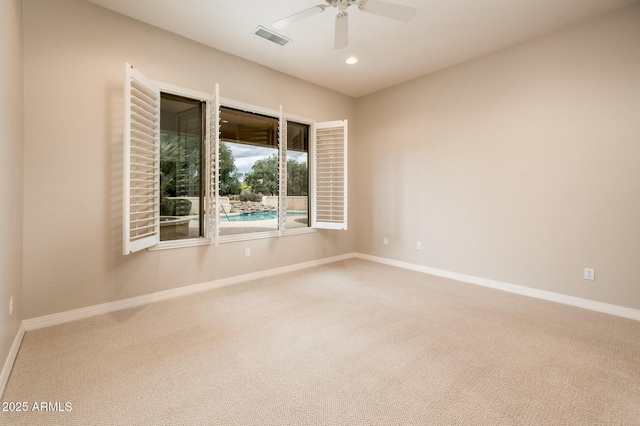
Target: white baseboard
(591, 305)
(76, 314)
(8, 365)
(104, 308)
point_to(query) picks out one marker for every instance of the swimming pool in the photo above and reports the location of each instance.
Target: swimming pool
(246, 217)
(250, 217)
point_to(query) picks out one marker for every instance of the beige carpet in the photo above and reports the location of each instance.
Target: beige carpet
(350, 343)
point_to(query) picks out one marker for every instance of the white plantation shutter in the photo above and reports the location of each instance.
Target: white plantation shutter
(213, 146)
(282, 181)
(330, 177)
(141, 162)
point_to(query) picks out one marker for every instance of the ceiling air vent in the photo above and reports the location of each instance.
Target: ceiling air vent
(271, 36)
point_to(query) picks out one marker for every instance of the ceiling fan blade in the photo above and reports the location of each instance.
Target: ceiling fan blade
(342, 30)
(296, 17)
(388, 10)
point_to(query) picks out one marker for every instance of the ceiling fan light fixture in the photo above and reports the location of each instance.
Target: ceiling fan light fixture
(376, 7)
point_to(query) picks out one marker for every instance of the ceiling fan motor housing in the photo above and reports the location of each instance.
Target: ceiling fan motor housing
(376, 7)
(343, 4)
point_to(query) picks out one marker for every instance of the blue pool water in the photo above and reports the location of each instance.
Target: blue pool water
(246, 217)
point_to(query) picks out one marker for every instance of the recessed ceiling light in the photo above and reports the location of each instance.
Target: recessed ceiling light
(351, 60)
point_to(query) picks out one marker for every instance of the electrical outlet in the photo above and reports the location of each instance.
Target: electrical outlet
(11, 306)
(418, 245)
(589, 274)
(385, 241)
(247, 252)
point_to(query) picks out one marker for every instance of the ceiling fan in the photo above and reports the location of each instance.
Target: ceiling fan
(377, 7)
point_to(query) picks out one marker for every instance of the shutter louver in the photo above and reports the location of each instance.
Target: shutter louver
(282, 186)
(141, 162)
(213, 211)
(330, 178)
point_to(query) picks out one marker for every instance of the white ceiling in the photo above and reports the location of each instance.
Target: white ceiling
(443, 33)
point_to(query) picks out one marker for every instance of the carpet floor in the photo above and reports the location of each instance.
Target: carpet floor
(349, 343)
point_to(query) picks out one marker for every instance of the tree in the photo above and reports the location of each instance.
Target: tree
(179, 166)
(263, 177)
(297, 178)
(189, 181)
(229, 175)
(170, 154)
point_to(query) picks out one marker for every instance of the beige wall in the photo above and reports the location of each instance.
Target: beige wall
(74, 72)
(11, 161)
(521, 166)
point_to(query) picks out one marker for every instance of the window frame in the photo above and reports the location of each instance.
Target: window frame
(212, 103)
(206, 98)
(282, 118)
(310, 169)
(253, 109)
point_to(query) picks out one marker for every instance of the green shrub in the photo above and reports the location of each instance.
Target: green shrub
(250, 196)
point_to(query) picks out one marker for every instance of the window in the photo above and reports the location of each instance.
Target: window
(249, 172)
(297, 175)
(181, 167)
(199, 172)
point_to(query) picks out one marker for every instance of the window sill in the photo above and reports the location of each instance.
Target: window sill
(194, 242)
(261, 235)
(174, 244)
